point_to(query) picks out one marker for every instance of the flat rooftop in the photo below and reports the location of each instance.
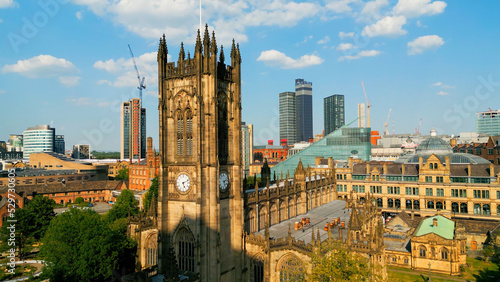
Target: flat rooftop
(318, 218)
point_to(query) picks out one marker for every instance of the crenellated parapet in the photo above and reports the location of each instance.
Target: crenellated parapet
(206, 60)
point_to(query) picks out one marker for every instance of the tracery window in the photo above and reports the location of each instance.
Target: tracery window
(185, 250)
(258, 269)
(152, 250)
(222, 129)
(291, 269)
(180, 133)
(422, 251)
(444, 254)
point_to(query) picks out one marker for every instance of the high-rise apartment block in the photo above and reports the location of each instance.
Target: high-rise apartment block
(361, 115)
(303, 110)
(334, 116)
(15, 143)
(488, 122)
(246, 147)
(133, 130)
(59, 144)
(81, 152)
(288, 130)
(39, 138)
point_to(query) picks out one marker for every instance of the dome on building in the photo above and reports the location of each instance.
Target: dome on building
(440, 148)
(434, 145)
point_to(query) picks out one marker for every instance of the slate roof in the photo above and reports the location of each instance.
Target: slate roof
(27, 190)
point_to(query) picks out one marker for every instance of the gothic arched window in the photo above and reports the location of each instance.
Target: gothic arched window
(222, 129)
(152, 250)
(291, 269)
(258, 269)
(185, 250)
(422, 251)
(180, 133)
(189, 133)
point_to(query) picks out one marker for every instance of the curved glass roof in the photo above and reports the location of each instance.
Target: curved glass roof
(455, 158)
(434, 145)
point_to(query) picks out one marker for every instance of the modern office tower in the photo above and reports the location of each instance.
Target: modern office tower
(246, 147)
(133, 130)
(488, 122)
(288, 128)
(15, 143)
(303, 110)
(334, 116)
(361, 115)
(59, 144)
(81, 152)
(39, 138)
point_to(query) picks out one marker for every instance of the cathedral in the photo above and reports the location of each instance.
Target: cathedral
(202, 213)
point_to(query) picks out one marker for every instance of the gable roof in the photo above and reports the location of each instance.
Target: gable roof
(445, 227)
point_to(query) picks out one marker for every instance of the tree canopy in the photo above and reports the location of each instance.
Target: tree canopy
(124, 204)
(122, 174)
(80, 246)
(331, 262)
(152, 193)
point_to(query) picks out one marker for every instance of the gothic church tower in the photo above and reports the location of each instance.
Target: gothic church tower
(200, 205)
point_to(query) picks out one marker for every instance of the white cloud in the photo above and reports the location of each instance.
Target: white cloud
(343, 35)
(416, 8)
(178, 19)
(87, 101)
(125, 72)
(345, 46)
(79, 15)
(69, 80)
(42, 66)
(307, 38)
(278, 59)
(388, 26)
(424, 43)
(82, 101)
(340, 6)
(364, 53)
(442, 93)
(2, 91)
(104, 81)
(324, 40)
(1, 21)
(371, 10)
(444, 86)
(7, 4)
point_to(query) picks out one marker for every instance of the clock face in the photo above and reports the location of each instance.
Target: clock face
(183, 182)
(223, 181)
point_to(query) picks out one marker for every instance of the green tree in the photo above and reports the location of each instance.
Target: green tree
(122, 174)
(152, 193)
(78, 200)
(332, 262)
(124, 204)
(80, 246)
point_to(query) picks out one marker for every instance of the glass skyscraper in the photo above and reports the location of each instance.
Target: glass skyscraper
(303, 110)
(333, 112)
(38, 139)
(288, 129)
(133, 130)
(488, 122)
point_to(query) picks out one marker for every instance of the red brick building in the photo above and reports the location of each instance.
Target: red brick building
(141, 174)
(489, 150)
(270, 152)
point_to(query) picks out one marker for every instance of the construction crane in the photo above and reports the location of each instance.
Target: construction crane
(142, 85)
(417, 130)
(385, 123)
(368, 106)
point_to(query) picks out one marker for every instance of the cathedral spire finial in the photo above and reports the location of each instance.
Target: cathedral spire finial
(206, 39)
(233, 50)
(182, 55)
(214, 44)
(197, 47)
(221, 56)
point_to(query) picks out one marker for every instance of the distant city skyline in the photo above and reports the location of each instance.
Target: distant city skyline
(69, 66)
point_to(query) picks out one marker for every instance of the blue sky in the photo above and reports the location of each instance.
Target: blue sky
(66, 62)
